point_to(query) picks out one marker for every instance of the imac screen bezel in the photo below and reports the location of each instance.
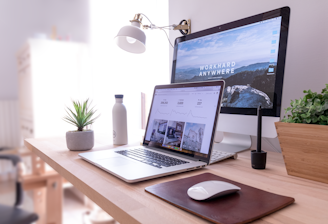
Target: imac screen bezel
(284, 12)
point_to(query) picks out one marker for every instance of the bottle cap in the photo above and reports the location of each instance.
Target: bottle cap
(119, 96)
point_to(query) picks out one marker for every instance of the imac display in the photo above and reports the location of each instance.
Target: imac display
(245, 57)
(249, 55)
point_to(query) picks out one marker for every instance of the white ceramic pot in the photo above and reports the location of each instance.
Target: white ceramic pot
(80, 140)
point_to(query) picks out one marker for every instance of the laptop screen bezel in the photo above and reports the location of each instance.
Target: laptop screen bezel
(186, 85)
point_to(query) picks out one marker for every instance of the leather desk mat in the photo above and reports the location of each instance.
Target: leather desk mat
(245, 206)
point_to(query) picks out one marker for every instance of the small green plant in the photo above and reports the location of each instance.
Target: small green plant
(82, 116)
(312, 109)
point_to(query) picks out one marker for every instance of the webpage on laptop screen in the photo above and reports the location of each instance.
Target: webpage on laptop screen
(183, 118)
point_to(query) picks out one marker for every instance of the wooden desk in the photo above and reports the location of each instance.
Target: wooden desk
(129, 203)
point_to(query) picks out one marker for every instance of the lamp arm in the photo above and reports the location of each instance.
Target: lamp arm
(146, 18)
(184, 26)
(153, 26)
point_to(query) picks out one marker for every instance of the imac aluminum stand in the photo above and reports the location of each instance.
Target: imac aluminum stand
(234, 131)
(231, 142)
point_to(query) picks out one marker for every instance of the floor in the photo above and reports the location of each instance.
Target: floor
(73, 208)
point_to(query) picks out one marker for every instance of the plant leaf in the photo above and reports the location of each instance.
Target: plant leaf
(82, 115)
(312, 108)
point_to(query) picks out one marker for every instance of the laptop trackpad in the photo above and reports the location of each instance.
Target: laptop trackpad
(115, 161)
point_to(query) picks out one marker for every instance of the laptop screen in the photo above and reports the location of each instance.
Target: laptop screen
(183, 118)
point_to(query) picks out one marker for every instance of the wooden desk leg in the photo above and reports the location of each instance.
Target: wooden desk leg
(39, 200)
(54, 203)
(38, 166)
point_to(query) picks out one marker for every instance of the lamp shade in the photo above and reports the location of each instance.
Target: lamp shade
(131, 39)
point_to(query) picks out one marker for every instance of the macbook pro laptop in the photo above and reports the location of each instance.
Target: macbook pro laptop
(178, 137)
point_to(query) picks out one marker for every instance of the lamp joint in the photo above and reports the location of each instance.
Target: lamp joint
(137, 18)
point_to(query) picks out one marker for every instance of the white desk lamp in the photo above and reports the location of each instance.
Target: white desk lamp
(133, 39)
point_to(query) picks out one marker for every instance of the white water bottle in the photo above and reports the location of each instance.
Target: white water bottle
(120, 129)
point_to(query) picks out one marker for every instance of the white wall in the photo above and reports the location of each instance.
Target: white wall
(307, 57)
(20, 20)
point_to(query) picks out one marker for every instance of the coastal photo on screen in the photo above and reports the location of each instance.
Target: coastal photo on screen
(193, 137)
(158, 131)
(174, 133)
(245, 57)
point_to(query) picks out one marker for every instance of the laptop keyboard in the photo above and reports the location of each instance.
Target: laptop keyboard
(151, 158)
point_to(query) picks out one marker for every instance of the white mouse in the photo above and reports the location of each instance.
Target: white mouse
(211, 189)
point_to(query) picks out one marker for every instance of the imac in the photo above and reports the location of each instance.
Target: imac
(249, 55)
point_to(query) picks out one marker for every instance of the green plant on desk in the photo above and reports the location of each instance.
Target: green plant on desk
(83, 116)
(303, 142)
(311, 109)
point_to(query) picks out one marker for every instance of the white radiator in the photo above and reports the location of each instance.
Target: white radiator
(9, 124)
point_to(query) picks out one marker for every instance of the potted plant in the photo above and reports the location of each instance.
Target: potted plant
(80, 139)
(303, 136)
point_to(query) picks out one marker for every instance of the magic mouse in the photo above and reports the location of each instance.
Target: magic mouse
(211, 189)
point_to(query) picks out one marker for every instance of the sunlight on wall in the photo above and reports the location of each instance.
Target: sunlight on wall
(118, 72)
